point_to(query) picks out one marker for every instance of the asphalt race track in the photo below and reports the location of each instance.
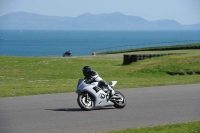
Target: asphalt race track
(60, 113)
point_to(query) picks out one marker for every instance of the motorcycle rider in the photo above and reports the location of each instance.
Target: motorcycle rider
(92, 76)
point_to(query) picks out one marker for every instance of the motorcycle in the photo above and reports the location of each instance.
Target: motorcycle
(91, 96)
(67, 53)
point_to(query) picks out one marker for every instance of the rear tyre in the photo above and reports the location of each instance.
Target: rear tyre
(85, 101)
(119, 102)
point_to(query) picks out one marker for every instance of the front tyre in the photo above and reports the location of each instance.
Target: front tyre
(120, 100)
(85, 101)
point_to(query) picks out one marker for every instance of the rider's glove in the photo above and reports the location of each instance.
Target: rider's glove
(89, 81)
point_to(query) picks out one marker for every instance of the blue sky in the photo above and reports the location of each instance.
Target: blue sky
(183, 11)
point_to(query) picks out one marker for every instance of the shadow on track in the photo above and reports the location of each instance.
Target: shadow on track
(76, 109)
(65, 109)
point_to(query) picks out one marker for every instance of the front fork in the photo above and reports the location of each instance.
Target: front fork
(86, 100)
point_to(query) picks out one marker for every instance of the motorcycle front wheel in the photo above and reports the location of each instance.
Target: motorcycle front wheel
(85, 101)
(120, 100)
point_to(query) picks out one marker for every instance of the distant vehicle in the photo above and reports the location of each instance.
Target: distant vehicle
(67, 53)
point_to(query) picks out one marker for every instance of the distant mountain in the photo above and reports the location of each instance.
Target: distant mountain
(87, 21)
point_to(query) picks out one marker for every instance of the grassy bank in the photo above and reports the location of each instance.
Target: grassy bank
(190, 127)
(157, 48)
(21, 76)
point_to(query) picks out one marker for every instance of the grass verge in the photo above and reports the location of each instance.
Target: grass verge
(189, 127)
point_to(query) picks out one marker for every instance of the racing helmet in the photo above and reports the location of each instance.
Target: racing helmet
(86, 70)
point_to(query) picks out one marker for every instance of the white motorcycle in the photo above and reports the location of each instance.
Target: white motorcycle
(91, 96)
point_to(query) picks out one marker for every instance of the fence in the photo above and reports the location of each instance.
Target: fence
(147, 45)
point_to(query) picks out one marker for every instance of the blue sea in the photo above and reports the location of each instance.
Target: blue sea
(55, 43)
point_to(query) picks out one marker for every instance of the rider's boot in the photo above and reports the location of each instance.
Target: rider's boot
(112, 92)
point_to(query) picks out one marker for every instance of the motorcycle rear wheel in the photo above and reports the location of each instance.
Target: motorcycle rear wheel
(85, 101)
(121, 101)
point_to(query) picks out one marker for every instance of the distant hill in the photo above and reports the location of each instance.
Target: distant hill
(87, 21)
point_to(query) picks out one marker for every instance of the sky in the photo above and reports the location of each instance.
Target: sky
(183, 11)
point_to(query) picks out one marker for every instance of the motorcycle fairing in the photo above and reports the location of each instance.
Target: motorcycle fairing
(101, 98)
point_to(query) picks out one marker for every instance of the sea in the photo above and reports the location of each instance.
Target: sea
(53, 43)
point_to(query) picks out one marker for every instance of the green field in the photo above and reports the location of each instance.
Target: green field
(20, 76)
